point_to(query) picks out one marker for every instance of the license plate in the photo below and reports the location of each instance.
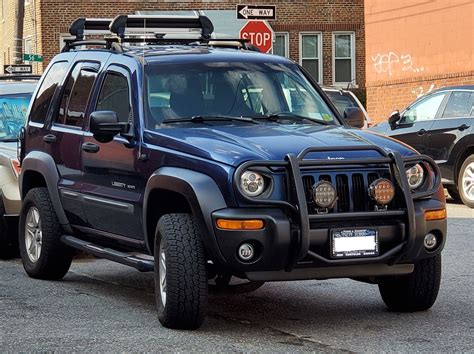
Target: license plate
(347, 243)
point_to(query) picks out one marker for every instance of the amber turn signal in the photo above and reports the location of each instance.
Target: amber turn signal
(431, 215)
(240, 224)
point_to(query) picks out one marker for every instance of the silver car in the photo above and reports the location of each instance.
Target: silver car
(15, 95)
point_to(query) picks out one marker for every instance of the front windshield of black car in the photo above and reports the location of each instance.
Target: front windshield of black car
(13, 110)
(232, 89)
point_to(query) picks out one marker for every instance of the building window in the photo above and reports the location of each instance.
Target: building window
(28, 45)
(343, 65)
(281, 44)
(310, 54)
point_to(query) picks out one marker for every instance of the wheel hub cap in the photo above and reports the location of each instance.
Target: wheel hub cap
(33, 234)
(468, 181)
(162, 274)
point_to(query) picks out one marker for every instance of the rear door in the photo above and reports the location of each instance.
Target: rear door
(453, 124)
(417, 120)
(113, 185)
(64, 139)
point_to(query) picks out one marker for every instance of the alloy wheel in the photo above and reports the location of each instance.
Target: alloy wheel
(468, 181)
(162, 273)
(33, 234)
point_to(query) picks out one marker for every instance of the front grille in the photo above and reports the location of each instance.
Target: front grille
(351, 188)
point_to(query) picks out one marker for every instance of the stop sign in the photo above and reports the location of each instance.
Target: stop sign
(259, 33)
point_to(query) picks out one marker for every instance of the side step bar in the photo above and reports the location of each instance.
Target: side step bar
(141, 264)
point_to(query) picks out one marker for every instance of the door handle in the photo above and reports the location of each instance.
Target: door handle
(421, 132)
(90, 147)
(463, 127)
(50, 139)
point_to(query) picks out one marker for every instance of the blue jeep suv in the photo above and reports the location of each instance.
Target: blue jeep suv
(200, 163)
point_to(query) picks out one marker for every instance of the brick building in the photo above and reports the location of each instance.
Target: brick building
(413, 47)
(326, 36)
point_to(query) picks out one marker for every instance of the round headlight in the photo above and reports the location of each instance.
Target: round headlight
(324, 194)
(382, 191)
(415, 176)
(252, 183)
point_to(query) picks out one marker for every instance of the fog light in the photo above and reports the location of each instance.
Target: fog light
(382, 191)
(430, 241)
(246, 251)
(324, 194)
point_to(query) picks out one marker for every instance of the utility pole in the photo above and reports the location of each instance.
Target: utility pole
(18, 32)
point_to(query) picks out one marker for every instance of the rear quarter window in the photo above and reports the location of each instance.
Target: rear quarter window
(53, 78)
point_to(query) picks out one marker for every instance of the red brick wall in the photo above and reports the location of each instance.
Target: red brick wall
(292, 16)
(413, 47)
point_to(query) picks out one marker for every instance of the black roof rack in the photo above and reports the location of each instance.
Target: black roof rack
(159, 25)
(82, 26)
(146, 29)
(20, 77)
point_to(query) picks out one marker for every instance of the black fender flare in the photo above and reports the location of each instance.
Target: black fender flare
(202, 194)
(44, 164)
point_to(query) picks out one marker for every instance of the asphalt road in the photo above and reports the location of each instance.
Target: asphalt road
(102, 306)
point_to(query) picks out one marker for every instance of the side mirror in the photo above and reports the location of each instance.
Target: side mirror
(354, 117)
(394, 117)
(105, 125)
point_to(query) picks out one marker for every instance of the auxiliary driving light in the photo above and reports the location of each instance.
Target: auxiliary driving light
(246, 251)
(324, 194)
(382, 191)
(430, 241)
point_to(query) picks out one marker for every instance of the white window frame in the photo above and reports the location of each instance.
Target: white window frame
(27, 39)
(320, 51)
(286, 35)
(352, 83)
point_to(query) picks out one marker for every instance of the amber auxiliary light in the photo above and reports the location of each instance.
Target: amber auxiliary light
(229, 224)
(382, 191)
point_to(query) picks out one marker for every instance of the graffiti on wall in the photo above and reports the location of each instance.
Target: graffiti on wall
(391, 62)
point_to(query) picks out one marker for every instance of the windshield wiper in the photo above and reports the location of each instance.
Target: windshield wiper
(8, 140)
(200, 119)
(286, 116)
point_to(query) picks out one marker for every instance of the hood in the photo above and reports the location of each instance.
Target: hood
(234, 144)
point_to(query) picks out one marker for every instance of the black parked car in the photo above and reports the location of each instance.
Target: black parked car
(440, 125)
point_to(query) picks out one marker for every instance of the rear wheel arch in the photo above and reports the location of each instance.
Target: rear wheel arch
(195, 193)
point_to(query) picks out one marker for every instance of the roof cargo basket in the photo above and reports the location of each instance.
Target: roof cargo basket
(157, 25)
(95, 26)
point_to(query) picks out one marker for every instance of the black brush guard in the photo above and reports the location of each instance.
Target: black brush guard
(297, 207)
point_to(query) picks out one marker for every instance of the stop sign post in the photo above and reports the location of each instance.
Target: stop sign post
(259, 33)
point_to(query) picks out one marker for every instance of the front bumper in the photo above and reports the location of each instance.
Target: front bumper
(273, 245)
(296, 245)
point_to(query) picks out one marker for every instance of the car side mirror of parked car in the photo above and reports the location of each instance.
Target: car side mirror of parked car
(354, 117)
(105, 125)
(394, 118)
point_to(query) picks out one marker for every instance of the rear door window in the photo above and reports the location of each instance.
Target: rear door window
(460, 104)
(46, 91)
(75, 96)
(114, 96)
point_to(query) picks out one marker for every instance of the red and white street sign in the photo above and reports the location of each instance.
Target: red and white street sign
(259, 33)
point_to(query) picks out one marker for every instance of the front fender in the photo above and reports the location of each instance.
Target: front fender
(202, 194)
(44, 164)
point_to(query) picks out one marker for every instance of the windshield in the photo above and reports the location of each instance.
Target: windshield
(342, 100)
(250, 90)
(13, 110)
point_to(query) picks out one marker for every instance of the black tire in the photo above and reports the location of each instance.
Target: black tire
(453, 192)
(8, 237)
(186, 289)
(467, 165)
(54, 258)
(416, 291)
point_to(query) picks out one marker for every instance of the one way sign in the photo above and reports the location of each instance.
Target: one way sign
(17, 69)
(256, 12)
